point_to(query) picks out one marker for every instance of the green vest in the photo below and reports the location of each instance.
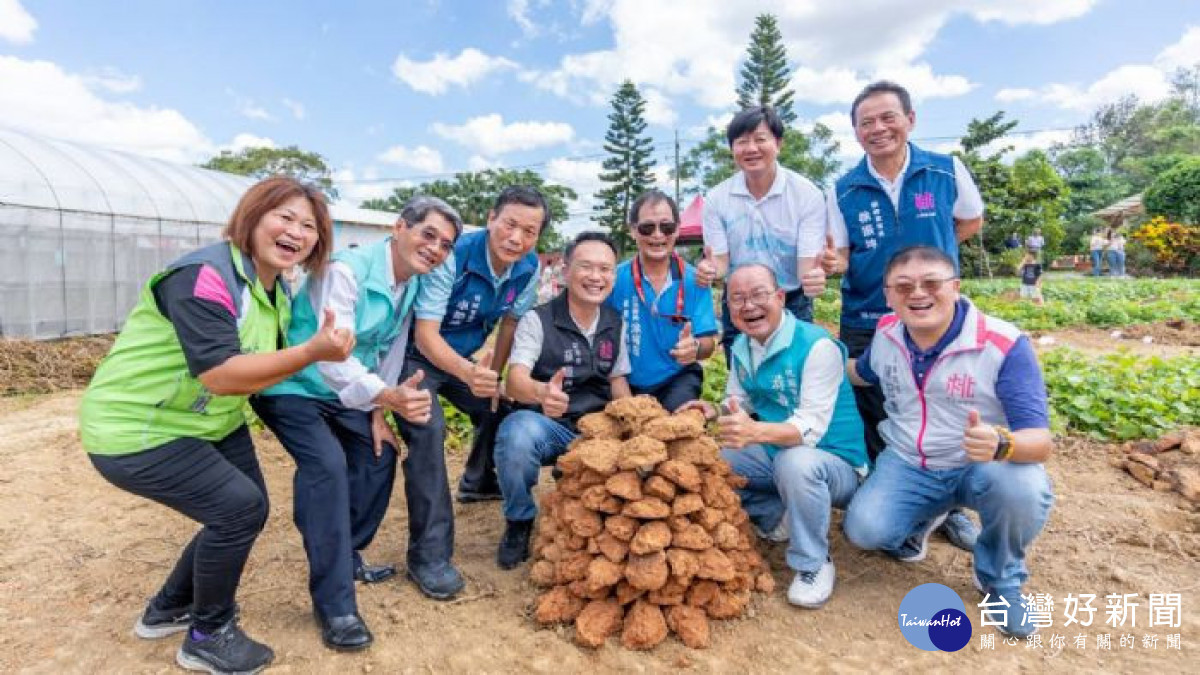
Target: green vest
(142, 395)
(774, 387)
(377, 318)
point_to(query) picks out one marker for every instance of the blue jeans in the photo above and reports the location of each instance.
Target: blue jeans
(525, 442)
(802, 484)
(1013, 502)
(1097, 257)
(1116, 263)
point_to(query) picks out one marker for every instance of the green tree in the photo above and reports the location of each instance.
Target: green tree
(1175, 194)
(309, 167)
(627, 168)
(473, 193)
(765, 72)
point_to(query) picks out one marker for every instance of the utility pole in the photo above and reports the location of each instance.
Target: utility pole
(676, 165)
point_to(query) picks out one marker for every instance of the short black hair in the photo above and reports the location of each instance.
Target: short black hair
(881, 87)
(524, 195)
(922, 253)
(652, 197)
(590, 235)
(749, 119)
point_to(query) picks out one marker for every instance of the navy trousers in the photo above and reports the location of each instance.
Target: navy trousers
(680, 388)
(341, 489)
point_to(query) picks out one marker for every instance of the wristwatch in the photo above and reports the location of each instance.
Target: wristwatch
(1004, 447)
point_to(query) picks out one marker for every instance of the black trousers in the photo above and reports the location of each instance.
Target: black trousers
(341, 489)
(795, 301)
(682, 387)
(426, 480)
(869, 399)
(218, 485)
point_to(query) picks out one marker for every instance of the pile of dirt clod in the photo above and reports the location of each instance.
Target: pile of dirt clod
(41, 367)
(1170, 463)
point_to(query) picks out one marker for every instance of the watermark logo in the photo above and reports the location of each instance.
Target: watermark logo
(934, 618)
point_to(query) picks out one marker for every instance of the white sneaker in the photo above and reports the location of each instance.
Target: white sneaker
(812, 589)
(781, 534)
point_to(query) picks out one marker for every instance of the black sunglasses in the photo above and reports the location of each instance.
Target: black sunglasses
(666, 227)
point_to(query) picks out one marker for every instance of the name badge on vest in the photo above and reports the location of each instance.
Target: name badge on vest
(605, 353)
(924, 203)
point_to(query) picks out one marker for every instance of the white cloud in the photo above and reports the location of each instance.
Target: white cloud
(489, 136)
(16, 24)
(247, 140)
(421, 158)
(1182, 54)
(692, 48)
(437, 75)
(355, 187)
(582, 176)
(1012, 95)
(481, 163)
(295, 107)
(519, 11)
(113, 80)
(43, 98)
(253, 111)
(658, 108)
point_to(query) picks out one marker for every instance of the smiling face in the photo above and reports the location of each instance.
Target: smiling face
(514, 231)
(923, 294)
(423, 246)
(656, 245)
(590, 272)
(284, 237)
(882, 126)
(755, 302)
(756, 150)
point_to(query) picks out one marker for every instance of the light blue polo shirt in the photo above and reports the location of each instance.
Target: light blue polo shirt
(650, 337)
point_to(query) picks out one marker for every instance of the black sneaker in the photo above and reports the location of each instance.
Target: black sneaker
(514, 545)
(228, 650)
(157, 623)
(914, 549)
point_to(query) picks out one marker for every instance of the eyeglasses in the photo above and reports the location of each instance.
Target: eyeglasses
(430, 235)
(667, 227)
(758, 297)
(930, 286)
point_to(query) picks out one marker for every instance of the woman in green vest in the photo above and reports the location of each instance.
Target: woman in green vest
(163, 416)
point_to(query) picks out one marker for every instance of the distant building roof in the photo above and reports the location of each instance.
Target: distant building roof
(1130, 206)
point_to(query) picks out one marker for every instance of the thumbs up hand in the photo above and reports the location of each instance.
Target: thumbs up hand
(482, 380)
(687, 348)
(830, 261)
(735, 429)
(980, 440)
(706, 269)
(553, 399)
(408, 400)
(330, 343)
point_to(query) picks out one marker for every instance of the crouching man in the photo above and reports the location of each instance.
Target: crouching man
(803, 452)
(568, 359)
(967, 425)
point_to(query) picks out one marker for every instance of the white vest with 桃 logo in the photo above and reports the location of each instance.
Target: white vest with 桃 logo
(925, 425)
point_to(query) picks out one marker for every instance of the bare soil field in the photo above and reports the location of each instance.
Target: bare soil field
(79, 558)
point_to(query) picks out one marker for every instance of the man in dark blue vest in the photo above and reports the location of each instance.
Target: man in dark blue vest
(569, 359)
(898, 196)
(491, 279)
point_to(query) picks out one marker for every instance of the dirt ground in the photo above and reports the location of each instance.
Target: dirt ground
(78, 559)
(1166, 339)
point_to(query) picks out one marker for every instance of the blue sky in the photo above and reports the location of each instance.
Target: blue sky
(394, 92)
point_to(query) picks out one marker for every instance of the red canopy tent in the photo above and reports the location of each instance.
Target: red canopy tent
(690, 223)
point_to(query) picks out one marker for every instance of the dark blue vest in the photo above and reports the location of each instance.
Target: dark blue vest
(476, 304)
(877, 231)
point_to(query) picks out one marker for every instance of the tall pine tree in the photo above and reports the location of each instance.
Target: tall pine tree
(627, 169)
(765, 72)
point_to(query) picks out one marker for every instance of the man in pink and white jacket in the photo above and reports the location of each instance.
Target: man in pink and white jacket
(968, 425)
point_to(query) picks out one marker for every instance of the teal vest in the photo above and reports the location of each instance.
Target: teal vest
(377, 319)
(774, 387)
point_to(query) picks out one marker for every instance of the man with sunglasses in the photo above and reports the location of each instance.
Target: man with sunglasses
(765, 213)
(803, 451)
(968, 424)
(330, 416)
(668, 318)
(491, 278)
(899, 195)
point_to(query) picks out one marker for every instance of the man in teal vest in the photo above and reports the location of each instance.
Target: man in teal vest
(330, 416)
(790, 427)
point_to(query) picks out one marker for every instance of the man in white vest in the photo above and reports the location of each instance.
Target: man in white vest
(967, 425)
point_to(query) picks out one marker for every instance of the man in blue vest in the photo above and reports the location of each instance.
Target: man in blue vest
(803, 451)
(490, 279)
(968, 424)
(668, 318)
(569, 359)
(330, 416)
(899, 195)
